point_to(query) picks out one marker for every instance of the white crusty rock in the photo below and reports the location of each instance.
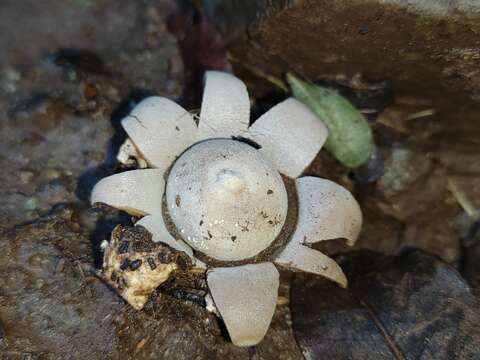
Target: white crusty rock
(135, 266)
(226, 200)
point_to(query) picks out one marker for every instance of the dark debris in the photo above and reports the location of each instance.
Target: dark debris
(409, 306)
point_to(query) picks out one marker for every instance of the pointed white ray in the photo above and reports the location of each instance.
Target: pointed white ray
(138, 192)
(301, 258)
(161, 130)
(129, 155)
(290, 135)
(156, 225)
(326, 211)
(225, 107)
(246, 297)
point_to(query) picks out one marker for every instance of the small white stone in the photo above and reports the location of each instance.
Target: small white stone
(210, 305)
(103, 244)
(129, 155)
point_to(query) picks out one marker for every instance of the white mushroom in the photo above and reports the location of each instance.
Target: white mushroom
(246, 297)
(226, 200)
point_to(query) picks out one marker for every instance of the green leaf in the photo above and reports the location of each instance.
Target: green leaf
(350, 138)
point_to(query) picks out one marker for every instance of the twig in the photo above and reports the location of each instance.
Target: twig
(390, 342)
(463, 199)
(420, 114)
(261, 74)
(140, 345)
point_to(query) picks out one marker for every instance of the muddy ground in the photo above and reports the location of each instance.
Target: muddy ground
(68, 72)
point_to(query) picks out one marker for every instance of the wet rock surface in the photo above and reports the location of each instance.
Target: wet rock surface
(51, 302)
(62, 96)
(421, 42)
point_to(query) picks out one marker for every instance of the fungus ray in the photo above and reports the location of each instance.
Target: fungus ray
(246, 297)
(138, 192)
(156, 225)
(161, 130)
(225, 110)
(326, 211)
(302, 258)
(291, 135)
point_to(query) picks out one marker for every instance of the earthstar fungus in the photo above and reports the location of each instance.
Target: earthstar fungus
(227, 198)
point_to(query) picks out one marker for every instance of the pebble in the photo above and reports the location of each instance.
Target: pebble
(31, 203)
(52, 174)
(26, 176)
